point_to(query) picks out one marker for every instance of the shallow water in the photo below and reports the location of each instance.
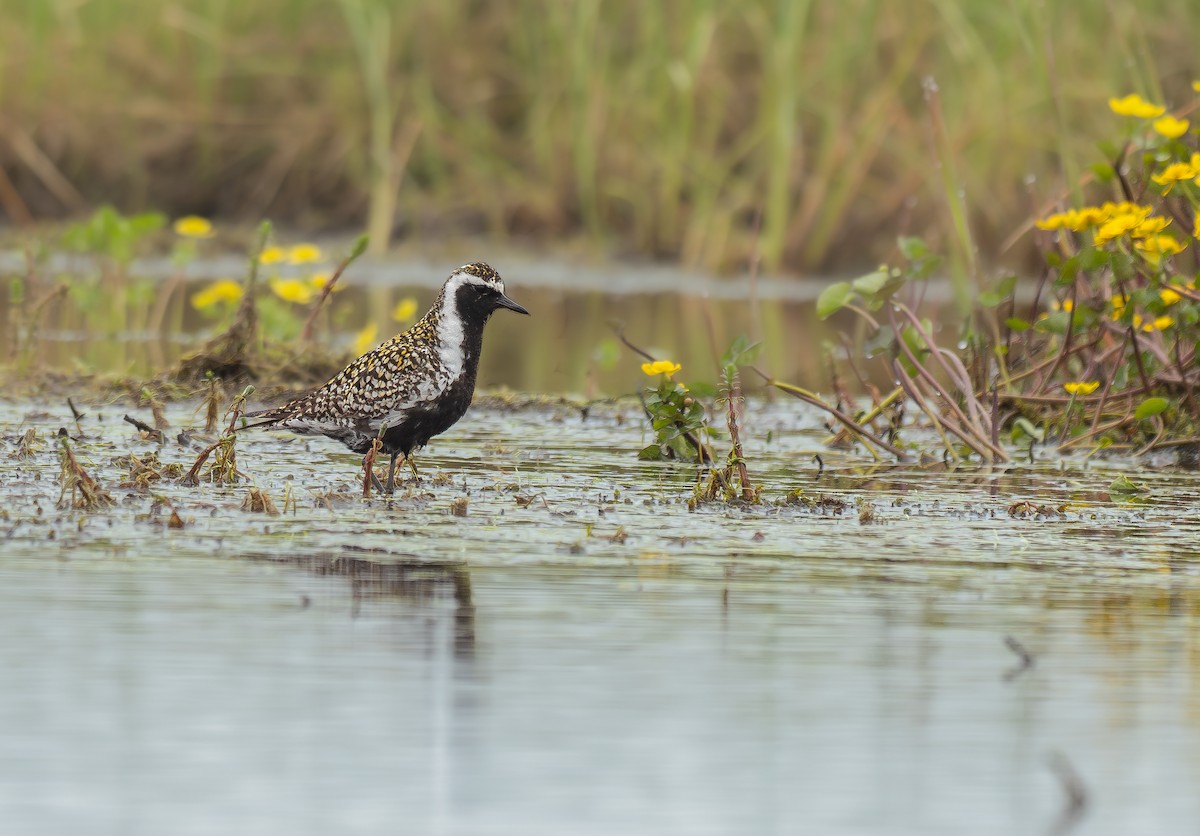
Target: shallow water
(387, 666)
(143, 324)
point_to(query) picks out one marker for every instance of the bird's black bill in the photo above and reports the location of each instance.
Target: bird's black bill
(505, 302)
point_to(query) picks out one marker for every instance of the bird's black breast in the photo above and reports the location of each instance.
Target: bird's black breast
(421, 423)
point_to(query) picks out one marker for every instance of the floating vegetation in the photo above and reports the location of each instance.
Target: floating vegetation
(258, 501)
(28, 446)
(79, 489)
(144, 471)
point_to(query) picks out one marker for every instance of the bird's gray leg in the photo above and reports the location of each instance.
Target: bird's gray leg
(391, 482)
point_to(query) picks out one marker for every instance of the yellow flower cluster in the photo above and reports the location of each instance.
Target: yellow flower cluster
(299, 254)
(1154, 248)
(1117, 220)
(1159, 323)
(365, 339)
(1135, 106)
(319, 280)
(1170, 127)
(1179, 173)
(1082, 387)
(405, 310)
(661, 367)
(222, 290)
(296, 291)
(1077, 220)
(193, 226)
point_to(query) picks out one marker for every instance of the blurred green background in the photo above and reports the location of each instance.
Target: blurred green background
(698, 132)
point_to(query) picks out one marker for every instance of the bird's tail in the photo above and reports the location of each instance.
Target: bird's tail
(263, 418)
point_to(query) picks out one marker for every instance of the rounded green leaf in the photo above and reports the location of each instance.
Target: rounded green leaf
(834, 298)
(871, 283)
(1151, 406)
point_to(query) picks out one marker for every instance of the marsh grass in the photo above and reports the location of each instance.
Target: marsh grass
(677, 130)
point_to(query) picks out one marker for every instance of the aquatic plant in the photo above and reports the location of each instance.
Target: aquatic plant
(1113, 325)
(224, 469)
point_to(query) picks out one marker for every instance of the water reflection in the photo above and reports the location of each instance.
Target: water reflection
(423, 585)
(566, 346)
(755, 700)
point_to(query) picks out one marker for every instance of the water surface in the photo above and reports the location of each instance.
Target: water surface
(581, 653)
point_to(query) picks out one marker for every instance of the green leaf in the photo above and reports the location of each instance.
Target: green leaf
(1024, 428)
(701, 390)
(913, 248)
(653, 453)
(360, 247)
(1123, 486)
(1104, 172)
(834, 298)
(741, 352)
(1151, 406)
(1017, 324)
(871, 283)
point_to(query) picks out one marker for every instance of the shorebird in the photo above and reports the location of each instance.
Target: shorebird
(412, 387)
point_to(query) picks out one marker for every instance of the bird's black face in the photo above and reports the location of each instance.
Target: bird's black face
(480, 292)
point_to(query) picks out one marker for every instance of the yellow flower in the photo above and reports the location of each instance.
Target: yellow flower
(1082, 387)
(1172, 174)
(661, 367)
(1196, 226)
(193, 226)
(1169, 297)
(364, 340)
(1059, 220)
(1134, 105)
(222, 290)
(292, 290)
(1170, 127)
(304, 254)
(405, 310)
(319, 280)
(1155, 248)
(272, 255)
(1065, 305)
(1115, 228)
(1151, 226)
(1088, 216)
(1161, 323)
(1196, 86)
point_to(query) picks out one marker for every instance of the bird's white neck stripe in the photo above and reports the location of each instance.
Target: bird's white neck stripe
(450, 330)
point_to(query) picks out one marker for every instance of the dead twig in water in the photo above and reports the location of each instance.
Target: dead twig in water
(77, 416)
(1026, 659)
(142, 426)
(1073, 788)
